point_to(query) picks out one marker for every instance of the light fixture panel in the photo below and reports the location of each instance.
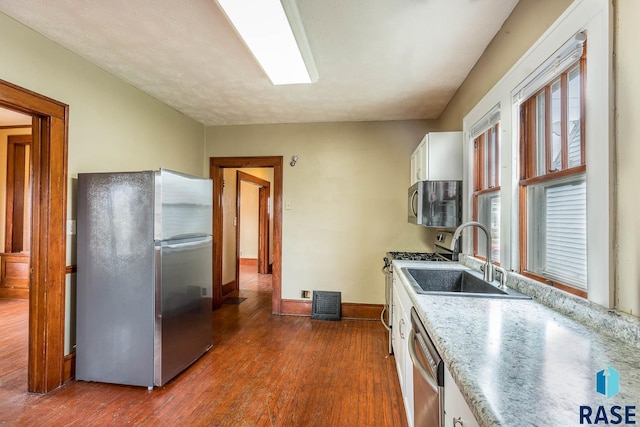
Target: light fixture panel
(265, 29)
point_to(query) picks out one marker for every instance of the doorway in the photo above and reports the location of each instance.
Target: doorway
(259, 233)
(15, 207)
(15, 216)
(47, 249)
(217, 168)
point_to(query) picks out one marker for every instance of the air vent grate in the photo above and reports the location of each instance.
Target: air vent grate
(326, 305)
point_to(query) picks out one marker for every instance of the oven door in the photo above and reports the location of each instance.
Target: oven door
(428, 377)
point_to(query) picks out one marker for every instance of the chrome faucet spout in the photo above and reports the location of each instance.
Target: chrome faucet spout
(488, 267)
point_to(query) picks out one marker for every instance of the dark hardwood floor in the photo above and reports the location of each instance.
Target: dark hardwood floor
(263, 370)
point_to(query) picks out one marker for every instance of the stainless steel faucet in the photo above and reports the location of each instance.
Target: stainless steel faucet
(488, 267)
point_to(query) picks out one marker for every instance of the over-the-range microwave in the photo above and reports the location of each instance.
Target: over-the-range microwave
(435, 203)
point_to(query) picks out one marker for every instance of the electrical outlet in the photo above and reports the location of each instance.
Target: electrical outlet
(305, 294)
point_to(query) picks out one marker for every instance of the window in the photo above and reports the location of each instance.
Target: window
(553, 187)
(486, 191)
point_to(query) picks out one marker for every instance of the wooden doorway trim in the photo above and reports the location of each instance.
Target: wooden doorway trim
(48, 239)
(216, 171)
(264, 193)
(16, 203)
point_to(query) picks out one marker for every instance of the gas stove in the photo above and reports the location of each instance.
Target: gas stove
(414, 256)
(443, 252)
(442, 245)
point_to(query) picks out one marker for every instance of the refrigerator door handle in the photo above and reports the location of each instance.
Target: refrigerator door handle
(157, 325)
(186, 243)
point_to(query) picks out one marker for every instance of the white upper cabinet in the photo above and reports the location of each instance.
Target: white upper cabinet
(438, 157)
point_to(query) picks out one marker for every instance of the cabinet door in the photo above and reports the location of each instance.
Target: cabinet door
(408, 370)
(397, 337)
(402, 327)
(418, 163)
(443, 157)
(414, 167)
(456, 411)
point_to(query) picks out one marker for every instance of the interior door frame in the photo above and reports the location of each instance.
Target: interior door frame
(216, 173)
(48, 233)
(264, 193)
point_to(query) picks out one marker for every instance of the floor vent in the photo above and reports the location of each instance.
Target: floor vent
(326, 305)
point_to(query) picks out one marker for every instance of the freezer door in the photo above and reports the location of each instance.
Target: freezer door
(183, 206)
(183, 305)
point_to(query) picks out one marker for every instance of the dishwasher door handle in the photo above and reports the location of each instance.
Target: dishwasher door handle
(424, 372)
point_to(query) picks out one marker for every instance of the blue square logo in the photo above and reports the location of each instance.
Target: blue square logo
(608, 382)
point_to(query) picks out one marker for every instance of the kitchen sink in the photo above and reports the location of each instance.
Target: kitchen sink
(457, 282)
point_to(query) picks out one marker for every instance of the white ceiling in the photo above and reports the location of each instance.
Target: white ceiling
(376, 59)
(13, 118)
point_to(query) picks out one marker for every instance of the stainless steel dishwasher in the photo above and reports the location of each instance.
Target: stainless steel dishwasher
(428, 377)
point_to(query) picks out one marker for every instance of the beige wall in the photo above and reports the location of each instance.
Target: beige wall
(347, 196)
(112, 125)
(4, 135)
(527, 22)
(627, 66)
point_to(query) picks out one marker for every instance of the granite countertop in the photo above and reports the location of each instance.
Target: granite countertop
(520, 362)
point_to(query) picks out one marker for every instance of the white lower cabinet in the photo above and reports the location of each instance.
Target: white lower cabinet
(456, 411)
(401, 328)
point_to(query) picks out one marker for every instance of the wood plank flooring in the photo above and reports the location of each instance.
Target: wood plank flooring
(263, 370)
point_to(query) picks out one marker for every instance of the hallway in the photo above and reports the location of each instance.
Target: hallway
(263, 370)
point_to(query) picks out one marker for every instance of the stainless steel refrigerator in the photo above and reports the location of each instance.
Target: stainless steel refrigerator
(144, 275)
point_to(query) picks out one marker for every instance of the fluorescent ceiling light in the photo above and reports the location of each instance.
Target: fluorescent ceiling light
(267, 28)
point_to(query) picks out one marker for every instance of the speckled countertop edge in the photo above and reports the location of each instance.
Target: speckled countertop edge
(520, 390)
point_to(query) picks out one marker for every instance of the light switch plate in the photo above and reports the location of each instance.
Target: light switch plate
(71, 227)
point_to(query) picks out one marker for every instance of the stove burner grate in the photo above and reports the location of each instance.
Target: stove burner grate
(414, 256)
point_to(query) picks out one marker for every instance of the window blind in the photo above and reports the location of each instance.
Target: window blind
(488, 120)
(489, 216)
(566, 227)
(551, 68)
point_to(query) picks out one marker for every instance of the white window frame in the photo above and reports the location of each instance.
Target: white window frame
(594, 17)
(488, 121)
